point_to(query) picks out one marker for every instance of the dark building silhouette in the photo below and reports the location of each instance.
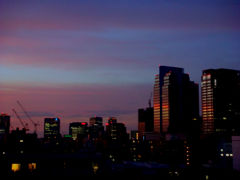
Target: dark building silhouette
(145, 120)
(51, 128)
(4, 124)
(96, 128)
(221, 101)
(111, 128)
(77, 129)
(175, 101)
(115, 130)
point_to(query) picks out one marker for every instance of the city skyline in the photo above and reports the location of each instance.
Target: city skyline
(78, 59)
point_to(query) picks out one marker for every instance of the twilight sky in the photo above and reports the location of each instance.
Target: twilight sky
(80, 58)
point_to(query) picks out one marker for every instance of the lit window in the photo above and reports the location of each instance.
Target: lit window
(32, 166)
(16, 167)
(227, 155)
(95, 168)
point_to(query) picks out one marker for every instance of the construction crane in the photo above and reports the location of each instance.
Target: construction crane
(21, 121)
(28, 116)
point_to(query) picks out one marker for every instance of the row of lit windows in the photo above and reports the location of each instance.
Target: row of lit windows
(210, 114)
(204, 113)
(206, 82)
(207, 105)
(207, 94)
(206, 90)
(206, 76)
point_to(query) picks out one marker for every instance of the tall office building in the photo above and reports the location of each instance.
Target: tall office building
(51, 128)
(220, 101)
(175, 101)
(78, 129)
(4, 124)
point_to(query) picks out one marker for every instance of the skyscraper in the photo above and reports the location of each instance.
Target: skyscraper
(221, 101)
(175, 101)
(77, 129)
(4, 124)
(156, 105)
(51, 128)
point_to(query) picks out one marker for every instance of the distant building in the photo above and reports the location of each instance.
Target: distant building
(51, 128)
(77, 129)
(96, 128)
(97, 121)
(111, 128)
(145, 120)
(134, 134)
(220, 101)
(175, 101)
(4, 124)
(114, 130)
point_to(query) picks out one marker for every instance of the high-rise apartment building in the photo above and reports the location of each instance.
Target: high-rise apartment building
(221, 101)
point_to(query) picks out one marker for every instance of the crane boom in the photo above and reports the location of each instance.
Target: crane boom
(28, 116)
(19, 118)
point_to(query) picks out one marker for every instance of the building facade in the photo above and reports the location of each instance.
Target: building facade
(175, 101)
(51, 128)
(78, 129)
(220, 101)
